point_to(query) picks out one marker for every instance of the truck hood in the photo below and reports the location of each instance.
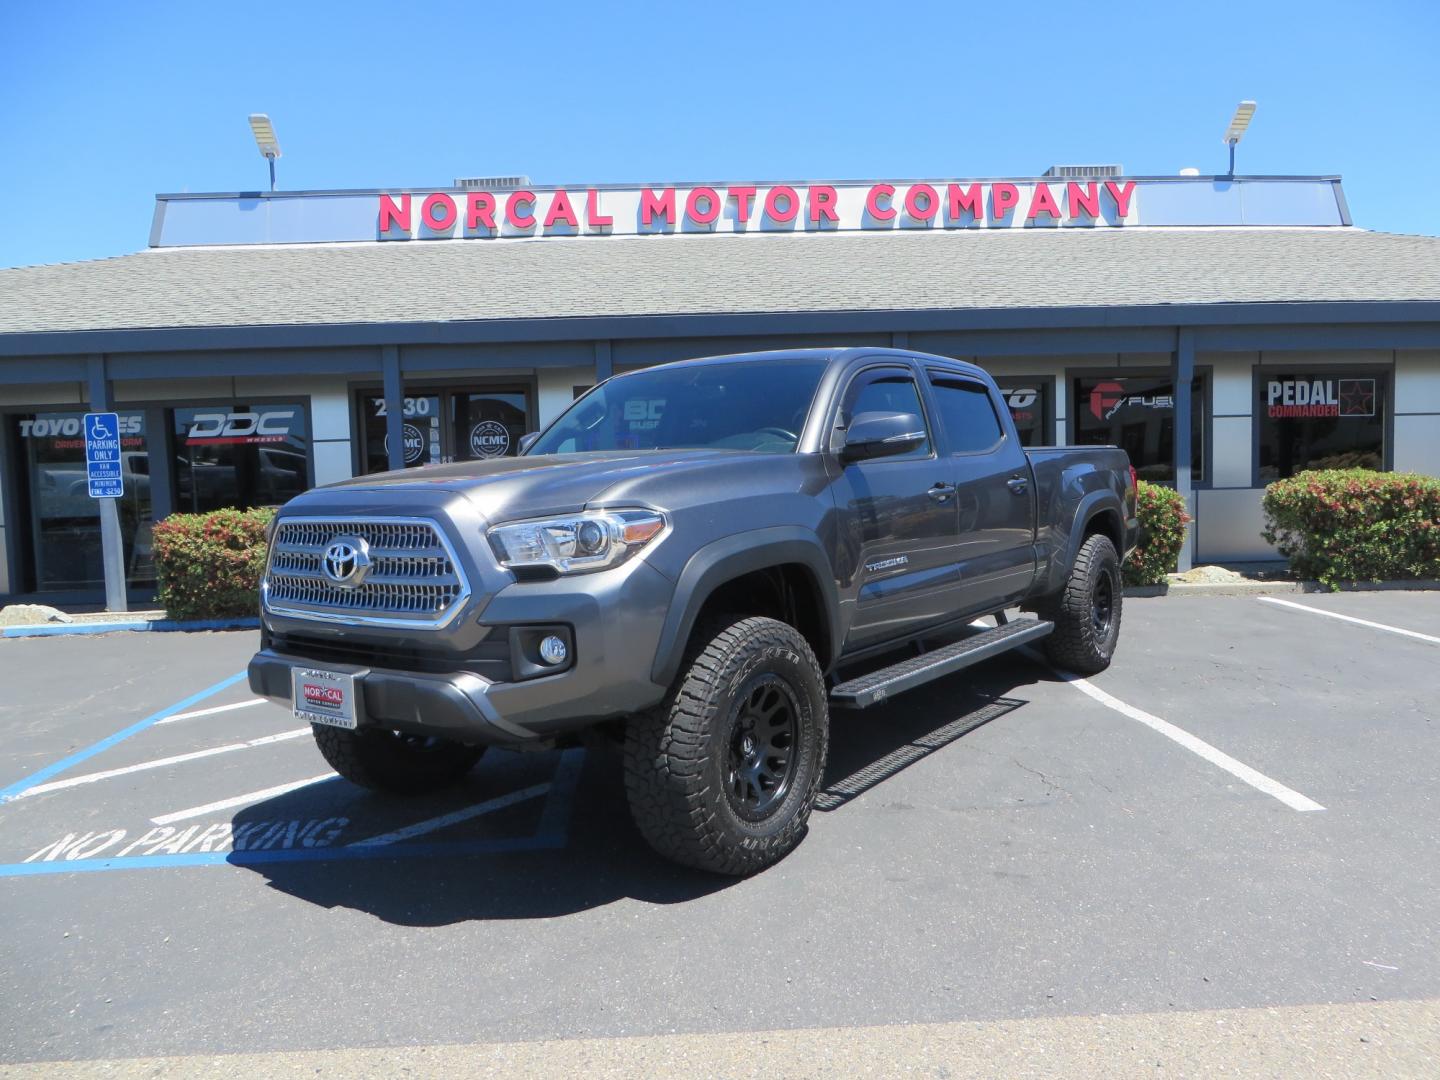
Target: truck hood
(514, 487)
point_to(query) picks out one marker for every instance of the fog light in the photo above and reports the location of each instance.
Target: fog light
(553, 650)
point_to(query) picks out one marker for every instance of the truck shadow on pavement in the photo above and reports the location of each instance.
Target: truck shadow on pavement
(602, 858)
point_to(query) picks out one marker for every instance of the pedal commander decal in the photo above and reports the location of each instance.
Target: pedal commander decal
(1291, 398)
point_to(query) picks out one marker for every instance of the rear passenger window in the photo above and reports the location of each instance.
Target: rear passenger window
(967, 414)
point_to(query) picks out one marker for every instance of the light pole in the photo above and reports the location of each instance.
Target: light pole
(266, 141)
(1236, 131)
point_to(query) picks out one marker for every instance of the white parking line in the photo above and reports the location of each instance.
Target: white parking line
(1194, 744)
(1351, 619)
(210, 712)
(159, 763)
(240, 800)
(420, 828)
(1238, 769)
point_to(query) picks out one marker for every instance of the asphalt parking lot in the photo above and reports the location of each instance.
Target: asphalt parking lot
(1240, 814)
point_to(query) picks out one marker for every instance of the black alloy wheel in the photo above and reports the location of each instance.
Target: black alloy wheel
(1102, 602)
(764, 733)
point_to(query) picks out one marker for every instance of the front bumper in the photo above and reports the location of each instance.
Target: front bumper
(455, 705)
(615, 618)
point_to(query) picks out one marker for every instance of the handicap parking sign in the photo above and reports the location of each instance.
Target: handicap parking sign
(102, 455)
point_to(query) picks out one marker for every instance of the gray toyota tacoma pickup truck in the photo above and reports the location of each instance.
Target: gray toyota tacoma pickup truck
(698, 560)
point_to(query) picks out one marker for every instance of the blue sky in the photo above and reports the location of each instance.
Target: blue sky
(107, 104)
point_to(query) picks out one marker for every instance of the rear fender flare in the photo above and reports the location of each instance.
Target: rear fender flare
(1092, 505)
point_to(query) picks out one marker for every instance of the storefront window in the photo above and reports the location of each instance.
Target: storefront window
(1029, 402)
(1310, 420)
(65, 521)
(464, 424)
(240, 456)
(1137, 414)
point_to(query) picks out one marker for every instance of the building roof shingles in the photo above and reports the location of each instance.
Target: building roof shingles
(451, 281)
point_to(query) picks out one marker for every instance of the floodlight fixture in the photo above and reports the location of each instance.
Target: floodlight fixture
(266, 141)
(1236, 131)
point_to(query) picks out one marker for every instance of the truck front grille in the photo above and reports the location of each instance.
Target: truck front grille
(407, 573)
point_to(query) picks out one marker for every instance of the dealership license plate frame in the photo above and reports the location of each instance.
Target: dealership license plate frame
(347, 712)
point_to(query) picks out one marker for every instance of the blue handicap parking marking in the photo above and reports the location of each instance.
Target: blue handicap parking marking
(321, 818)
(103, 468)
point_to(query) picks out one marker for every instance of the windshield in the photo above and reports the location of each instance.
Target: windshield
(750, 405)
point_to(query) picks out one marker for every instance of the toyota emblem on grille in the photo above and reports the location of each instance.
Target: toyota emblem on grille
(346, 561)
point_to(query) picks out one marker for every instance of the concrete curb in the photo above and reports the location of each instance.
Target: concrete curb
(1274, 588)
(131, 625)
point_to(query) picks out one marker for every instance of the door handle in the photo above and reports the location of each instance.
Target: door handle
(940, 492)
(1017, 484)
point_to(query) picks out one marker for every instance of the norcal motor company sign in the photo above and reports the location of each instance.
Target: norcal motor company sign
(743, 208)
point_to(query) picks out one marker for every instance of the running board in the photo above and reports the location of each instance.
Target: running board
(872, 689)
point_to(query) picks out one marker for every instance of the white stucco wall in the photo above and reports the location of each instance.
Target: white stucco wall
(555, 390)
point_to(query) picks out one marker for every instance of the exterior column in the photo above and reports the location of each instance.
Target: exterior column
(604, 366)
(112, 545)
(1183, 369)
(394, 406)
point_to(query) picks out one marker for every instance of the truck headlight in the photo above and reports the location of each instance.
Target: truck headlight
(593, 540)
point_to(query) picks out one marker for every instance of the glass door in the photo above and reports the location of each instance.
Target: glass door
(447, 424)
(420, 429)
(487, 423)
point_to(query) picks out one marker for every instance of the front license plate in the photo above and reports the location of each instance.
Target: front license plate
(324, 697)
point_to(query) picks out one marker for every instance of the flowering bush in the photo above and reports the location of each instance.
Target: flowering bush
(208, 565)
(1163, 518)
(1339, 525)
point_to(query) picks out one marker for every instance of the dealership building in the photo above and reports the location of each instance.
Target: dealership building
(1225, 331)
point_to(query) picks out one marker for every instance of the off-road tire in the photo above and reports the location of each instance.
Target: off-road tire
(678, 775)
(1080, 642)
(383, 760)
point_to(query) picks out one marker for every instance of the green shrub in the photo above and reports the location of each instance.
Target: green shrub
(1339, 525)
(208, 565)
(1163, 518)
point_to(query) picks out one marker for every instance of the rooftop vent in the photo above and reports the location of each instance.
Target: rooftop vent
(492, 183)
(1084, 172)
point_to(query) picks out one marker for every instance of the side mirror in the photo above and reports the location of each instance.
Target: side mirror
(882, 434)
(527, 441)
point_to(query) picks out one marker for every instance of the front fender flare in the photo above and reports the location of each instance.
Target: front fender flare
(729, 558)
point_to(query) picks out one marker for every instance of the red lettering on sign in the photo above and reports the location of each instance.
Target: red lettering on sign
(872, 202)
(438, 222)
(1087, 199)
(593, 217)
(561, 210)
(742, 197)
(518, 218)
(966, 199)
(772, 204)
(1003, 199)
(711, 199)
(480, 210)
(392, 216)
(1121, 195)
(912, 202)
(1043, 202)
(822, 204)
(652, 204)
(325, 695)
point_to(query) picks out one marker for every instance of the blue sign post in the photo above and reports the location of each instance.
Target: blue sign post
(102, 455)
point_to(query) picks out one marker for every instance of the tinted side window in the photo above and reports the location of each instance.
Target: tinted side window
(887, 393)
(967, 414)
